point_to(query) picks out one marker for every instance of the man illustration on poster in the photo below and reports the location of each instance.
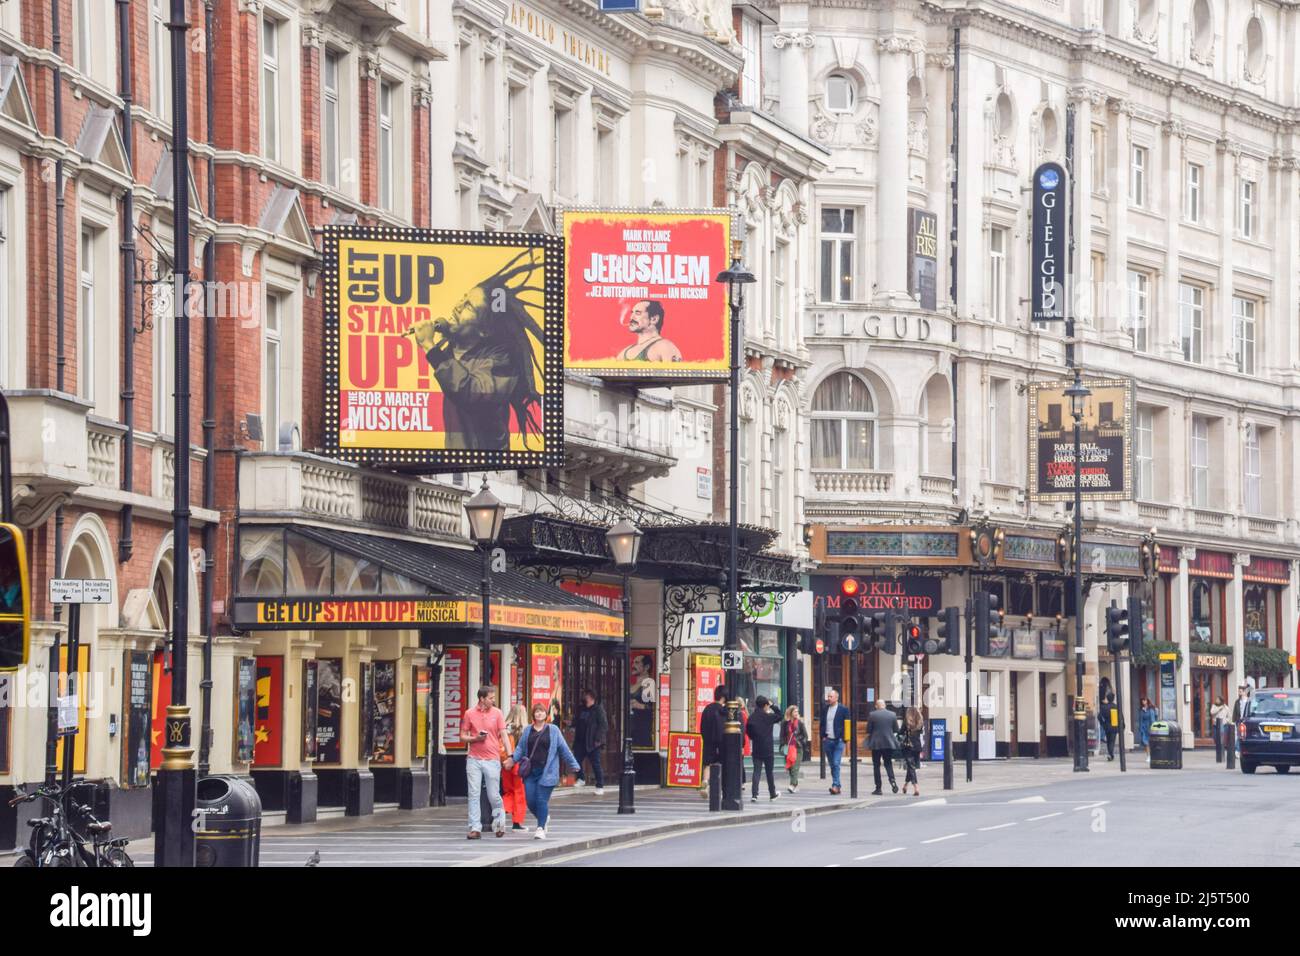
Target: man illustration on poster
(484, 359)
(646, 322)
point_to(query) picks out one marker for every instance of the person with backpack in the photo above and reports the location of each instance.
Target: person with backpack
(538, 755)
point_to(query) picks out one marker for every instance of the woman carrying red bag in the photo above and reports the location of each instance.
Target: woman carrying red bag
(794, 737)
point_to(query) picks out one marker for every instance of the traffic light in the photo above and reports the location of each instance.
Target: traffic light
(949, 632)
(988, 623)
(913, 641)
(1117, 628)
(850, 622)
(15, 599)
(1139, 629)
(886, 631)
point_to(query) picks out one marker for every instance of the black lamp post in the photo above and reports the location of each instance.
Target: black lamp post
(736, 277)
(625, 544)
(1078, 394)
(486, 513)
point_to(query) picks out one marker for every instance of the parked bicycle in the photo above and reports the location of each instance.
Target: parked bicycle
(56, 842)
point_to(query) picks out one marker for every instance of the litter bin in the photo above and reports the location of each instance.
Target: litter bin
(230, 818)
(1166, 745)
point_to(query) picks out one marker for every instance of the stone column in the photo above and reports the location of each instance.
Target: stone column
(1219, 349)
(1235, 615)
(1117, 243)
(938, 173)
(1163, 338)
(793, 41)
(1181, 605)
(1284, 348)
(1102, 311)
(891, 173)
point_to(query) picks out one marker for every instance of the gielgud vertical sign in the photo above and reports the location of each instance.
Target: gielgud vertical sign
(1049, 248)
(1105, 441)
(443, 348)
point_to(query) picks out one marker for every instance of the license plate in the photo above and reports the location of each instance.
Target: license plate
(1275, 735)
(1277, 728)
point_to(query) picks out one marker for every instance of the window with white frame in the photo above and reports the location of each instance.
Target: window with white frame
(1097, 158)
(843, 424)
(83, 27)
(330, 149)
(517, 116)
(270, 88)
(1247, 191)
(387, 97)
(160, 69)
(1139, 308)
(1253, 466)
(1191, 321)
(751, 34)
(999, 245)
(779, 439)
(997, 450)
(272, 346)
(86, 309)
(840, 93)
(1200, 462)
(1193, 176)
(780, 253)
(1146, 454)
(561, 149)
(1243, 333)
(604, 168)
(744, 471)
(1137, 176)
(1096, 289)
(838, 254)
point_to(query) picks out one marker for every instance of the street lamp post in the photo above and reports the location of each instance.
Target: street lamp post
(736, 277)
(625, 544)
(485, 513)
(1078, 394)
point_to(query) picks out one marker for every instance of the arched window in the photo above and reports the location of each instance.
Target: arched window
(780, 460)
(1254, 49)
(840, 94)
(1202, 28)
(843, 424)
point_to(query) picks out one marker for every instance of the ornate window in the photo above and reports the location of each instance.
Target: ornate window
(843, 424)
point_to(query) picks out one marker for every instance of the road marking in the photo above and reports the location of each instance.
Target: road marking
(1000, 826)
(936, 802)
(950, 836)
(897, 849)
(1045, 816)
(1029, 800)
(1089, 806)
(831, 866)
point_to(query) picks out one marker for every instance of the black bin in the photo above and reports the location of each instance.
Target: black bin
(1166, 745)
(230, 817)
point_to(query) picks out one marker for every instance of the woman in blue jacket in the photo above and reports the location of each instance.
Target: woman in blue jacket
(1146, 717)
(541, 746)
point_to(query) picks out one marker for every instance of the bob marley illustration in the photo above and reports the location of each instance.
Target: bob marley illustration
(485, 357)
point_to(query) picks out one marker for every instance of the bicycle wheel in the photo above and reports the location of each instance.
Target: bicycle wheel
(25, 860)
(115, 856)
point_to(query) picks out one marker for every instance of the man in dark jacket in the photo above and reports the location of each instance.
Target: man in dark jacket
(589, 730)
(834, 718)
(759, 731)
(713, 722)
(881, 727)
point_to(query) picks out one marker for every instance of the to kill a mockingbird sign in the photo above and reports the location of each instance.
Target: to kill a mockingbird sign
(1049, 227)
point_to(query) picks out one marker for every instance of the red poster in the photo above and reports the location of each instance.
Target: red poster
(496, 681)
(707, 670)
(685, 760)
(455, 664)
(608, 596)
(665, 711)
(162, 696)
(640, 295)
(268, 718)
(545, 683)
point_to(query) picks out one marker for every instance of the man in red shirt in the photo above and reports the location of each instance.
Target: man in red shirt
(484, 728)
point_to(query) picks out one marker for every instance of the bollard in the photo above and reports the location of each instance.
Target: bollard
(947, 760)
(1230, 746)
(1218, 740)
(715, 787)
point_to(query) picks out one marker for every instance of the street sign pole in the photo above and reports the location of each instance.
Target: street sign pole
(72, 689)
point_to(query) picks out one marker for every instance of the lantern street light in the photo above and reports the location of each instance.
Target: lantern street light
(625, 545)
(485, 512)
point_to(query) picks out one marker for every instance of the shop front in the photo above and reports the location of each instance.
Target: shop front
(359, 635)
(1265, 657)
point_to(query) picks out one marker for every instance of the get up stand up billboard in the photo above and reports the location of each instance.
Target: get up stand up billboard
(640, 294)
(443, 348)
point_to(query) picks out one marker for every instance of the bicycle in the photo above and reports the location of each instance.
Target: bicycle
(55, 842)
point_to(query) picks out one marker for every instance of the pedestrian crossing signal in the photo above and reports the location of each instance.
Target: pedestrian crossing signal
(914, 639)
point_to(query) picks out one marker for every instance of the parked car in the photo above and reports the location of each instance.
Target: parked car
(1270, 731)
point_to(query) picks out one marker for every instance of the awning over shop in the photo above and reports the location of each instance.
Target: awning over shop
(309, 578)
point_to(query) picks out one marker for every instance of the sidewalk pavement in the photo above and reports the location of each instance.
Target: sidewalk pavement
(582, 821)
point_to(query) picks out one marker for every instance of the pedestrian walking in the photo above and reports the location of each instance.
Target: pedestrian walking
(759, 730)
(1109, 724)
(1147, 715)
(882, 738)
(484, 728)
(713, 721)
(1220, 715)
(794, 737)
(589, 730)
(833, 718)
(513, 799)
(1242, 703)
(538, 755)
(913, 743)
